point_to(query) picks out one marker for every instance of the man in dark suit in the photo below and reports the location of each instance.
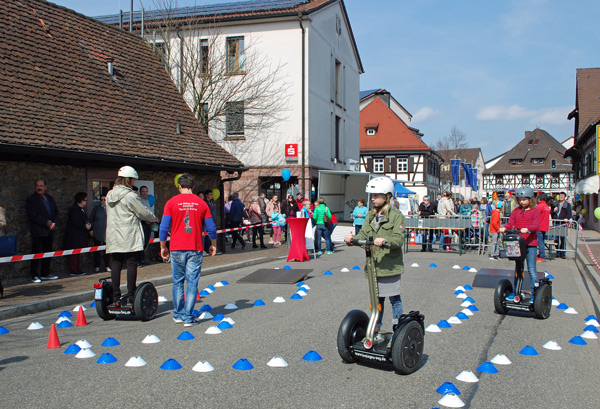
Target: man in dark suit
(43, 215)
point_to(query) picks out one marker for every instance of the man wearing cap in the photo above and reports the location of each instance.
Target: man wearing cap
(124, 233)
(185, 215)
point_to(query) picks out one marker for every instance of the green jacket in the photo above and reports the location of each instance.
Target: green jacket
(388, 261)
(319, 213)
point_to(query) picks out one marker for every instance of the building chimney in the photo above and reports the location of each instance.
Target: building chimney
(109, 61)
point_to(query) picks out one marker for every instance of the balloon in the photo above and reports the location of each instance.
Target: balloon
(557, 197)
(500, 203)
(177, 180)
(285, 174)
(216, 194)
(151, 200)
(597, 213)
(583, 211)
(577, 197)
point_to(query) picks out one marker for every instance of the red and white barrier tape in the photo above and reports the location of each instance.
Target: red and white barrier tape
(60, 253)
(588, 249)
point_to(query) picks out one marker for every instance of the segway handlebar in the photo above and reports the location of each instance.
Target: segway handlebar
(369, 242)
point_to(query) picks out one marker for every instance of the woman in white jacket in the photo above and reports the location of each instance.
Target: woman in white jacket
(124, 233)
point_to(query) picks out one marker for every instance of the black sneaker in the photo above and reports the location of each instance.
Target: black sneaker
(81, 273)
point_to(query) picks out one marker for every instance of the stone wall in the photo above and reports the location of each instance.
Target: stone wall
(17, 182)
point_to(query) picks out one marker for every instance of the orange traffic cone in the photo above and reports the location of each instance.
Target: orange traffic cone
(53, 341)
(198, 298)
(413, 242)
(81, 321)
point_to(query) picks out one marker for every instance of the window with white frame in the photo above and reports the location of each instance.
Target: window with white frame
(235, 55)
(203, 56)
(402, 165)
(234, 118)
(378, 165)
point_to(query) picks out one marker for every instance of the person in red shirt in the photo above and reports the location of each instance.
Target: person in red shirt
(494, 227)
(526, 218)
(544, 209)
(185, 215)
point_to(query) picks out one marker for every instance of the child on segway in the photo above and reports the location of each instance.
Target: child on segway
(385, 224)
(525, 218)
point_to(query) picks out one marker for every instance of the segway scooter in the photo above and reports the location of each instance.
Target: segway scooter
(356, 336)
(515, 249)
(144, 306)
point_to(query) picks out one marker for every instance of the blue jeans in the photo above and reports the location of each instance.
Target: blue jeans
(541, 235)
(322, 231)
(357, 228)
(185, 266)
(396, 302)
(531, 267)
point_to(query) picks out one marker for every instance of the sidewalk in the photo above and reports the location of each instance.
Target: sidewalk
(30, 298)
(589, 241)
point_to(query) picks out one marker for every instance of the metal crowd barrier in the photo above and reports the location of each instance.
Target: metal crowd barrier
(477, 238)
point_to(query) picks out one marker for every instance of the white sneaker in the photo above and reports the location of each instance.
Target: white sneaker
(49, 277)
(191, 323)
(36, 280)
(205, 254)
(177, 320)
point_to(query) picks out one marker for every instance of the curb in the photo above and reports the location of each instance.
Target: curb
(15, 311)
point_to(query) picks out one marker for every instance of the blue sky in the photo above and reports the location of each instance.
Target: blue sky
(493, 69)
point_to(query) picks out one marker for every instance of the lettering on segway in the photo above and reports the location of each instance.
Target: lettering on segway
(518, 307)
(121, 312)
(367, 355)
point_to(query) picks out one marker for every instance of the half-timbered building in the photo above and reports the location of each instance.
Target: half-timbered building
(536, 161)
(388, 146)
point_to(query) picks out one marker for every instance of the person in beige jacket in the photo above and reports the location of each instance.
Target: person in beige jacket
(124, 232)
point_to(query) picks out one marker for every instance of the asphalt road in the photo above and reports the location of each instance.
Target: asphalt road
(33, 376)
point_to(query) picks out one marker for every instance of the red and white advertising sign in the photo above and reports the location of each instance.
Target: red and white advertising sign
(291, 152)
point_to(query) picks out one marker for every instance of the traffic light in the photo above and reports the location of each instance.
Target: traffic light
(553, 163)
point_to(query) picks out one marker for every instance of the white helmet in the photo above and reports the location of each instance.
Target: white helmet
(381, 184)
(128, 172)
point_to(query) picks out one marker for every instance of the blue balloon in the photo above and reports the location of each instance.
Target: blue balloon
(151, 200)
(285, 174)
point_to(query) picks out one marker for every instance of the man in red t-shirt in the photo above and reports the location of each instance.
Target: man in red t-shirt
(186, 215)
(544, 209)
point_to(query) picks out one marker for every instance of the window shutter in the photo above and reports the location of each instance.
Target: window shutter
(369, 165)
(411, 164)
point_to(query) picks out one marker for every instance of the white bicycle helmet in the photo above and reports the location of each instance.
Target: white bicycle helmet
(128, 172)
(382, 184)
(524, 191)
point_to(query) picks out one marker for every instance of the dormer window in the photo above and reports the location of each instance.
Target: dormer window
(516, 161)
(371, 129)
(537, 161)
(371, 132)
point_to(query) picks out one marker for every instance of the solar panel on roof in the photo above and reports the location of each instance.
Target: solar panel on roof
(205, 10)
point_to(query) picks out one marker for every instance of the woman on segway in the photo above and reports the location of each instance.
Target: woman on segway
(385, 224)
(124, 233)
(526, 218)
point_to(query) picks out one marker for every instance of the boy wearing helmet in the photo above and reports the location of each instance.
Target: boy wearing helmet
(526, 218)
(384, 223)
(124, 232)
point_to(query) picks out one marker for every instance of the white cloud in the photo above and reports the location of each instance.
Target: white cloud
(538, 117)
(424, 114)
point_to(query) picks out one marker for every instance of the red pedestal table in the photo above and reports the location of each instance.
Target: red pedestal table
(298, 244)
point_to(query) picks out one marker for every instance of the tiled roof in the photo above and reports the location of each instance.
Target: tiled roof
(392, 133)
(588, 98)
(56, 92)
(363, 94)
(537, 144)
(466, 155)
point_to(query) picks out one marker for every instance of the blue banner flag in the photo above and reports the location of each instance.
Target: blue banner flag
(455, 165)
(474, 180)
(468, 174)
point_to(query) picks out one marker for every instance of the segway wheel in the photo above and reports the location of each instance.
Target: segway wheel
(542, 303)
(503, 290)
(107, 299)
(352, 330)
(407, 348)
(145, 303)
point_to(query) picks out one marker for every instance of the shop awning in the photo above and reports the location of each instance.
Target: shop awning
(588, 186)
